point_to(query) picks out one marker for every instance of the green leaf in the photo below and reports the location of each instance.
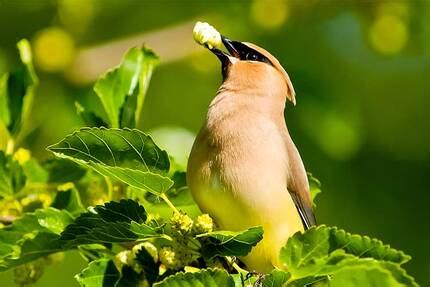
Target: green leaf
(126, 155)
(357, 272)
(69, 200)
(90, 119)
(322, 250)
(17, 91)
(229, 243)
(34, 171)
(12, 177)
(206, 278)
(314, 187)
(99, 273)
(32, 236)
(149, 62)
(113, 222)
(276, 278)
(63, 170)
(122, 90)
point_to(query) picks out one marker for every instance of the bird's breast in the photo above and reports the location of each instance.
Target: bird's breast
(242, 158)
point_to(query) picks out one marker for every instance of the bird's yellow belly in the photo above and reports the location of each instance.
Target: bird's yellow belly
(274, 210)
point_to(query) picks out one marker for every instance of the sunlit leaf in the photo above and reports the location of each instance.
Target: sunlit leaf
(122, 90)
(126, 155)
(358, 272)
(322, 251)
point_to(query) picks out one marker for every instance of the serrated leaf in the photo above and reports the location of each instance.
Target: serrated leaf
(12, 177)
(17, 91)
(230, 243)
(357, 272)
(32, 236)
(205, 277)
(113, 222)
(99, 273)
(122, 89)
(320, 248)
(127, 155)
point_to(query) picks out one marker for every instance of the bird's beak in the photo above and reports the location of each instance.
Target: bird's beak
(233, 47)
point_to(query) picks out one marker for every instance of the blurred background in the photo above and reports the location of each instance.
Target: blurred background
(361, 71)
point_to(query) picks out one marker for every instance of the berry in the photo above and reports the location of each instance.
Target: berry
(149, 247)
(169, 258)
(181, 223)
(204, 224)
(121, 259)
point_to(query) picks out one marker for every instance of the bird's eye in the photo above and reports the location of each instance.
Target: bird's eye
(251, 57)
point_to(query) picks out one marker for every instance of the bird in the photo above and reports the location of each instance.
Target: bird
(244, 170)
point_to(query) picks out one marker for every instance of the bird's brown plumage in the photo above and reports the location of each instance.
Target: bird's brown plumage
(244, 169)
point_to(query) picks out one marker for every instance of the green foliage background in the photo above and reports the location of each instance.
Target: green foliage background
(360, 122)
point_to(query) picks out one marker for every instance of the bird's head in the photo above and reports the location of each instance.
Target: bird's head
(248, 66)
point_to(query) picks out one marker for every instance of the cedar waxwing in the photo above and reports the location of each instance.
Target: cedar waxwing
(244, 169)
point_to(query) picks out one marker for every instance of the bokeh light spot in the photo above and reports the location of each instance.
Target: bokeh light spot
(54, 49)
(338, 137)
(388, 34)
(269, 14)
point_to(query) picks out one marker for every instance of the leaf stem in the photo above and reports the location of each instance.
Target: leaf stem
(233, 263)
(168, 202)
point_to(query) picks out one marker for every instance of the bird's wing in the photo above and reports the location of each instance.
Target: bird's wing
(298, 185)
